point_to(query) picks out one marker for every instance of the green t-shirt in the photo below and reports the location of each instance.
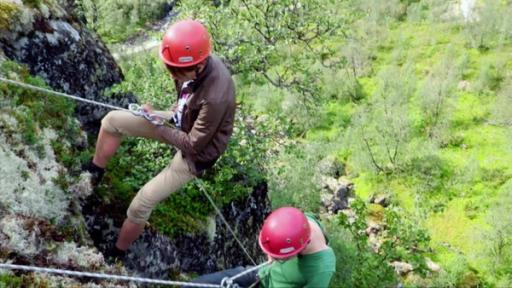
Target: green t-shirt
(310, 271)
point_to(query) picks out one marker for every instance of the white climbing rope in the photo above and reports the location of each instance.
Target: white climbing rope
(117, 277)
(103, 276)
(230, 281)
(201, 187)
(44, 90)
(132, 108)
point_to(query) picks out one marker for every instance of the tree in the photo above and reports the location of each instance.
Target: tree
(278, 42)
(382, 127)
(499, 237)
(436, 91)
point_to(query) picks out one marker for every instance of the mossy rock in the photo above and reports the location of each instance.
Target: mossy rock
(376, 213)
(7, 12)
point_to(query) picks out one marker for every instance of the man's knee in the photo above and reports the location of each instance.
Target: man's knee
(110, 122)
(140, 209)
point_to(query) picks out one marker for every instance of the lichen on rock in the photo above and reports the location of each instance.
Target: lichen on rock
(34, 187)
(7, 11)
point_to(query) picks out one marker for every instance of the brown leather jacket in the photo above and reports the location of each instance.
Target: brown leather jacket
(207, 119)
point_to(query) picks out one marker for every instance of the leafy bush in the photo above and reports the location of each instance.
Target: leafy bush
(490, 77)
(499, 238)
(293, 178)
(490, 26)
(282, 43)
(436, 93)
(116, 20)
(403, 241)
(7, 280)
(381, 129)
(157, 88)
(502, 114)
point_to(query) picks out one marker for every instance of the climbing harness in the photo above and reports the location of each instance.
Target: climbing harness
(133, 108)
(154, 118)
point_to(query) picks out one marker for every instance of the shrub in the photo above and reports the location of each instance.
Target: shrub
(402, 240)
(491, 76)
(436, 94)
(489, 25)
(116, 20)
(292, 176)
(502, 114)
(380, 130)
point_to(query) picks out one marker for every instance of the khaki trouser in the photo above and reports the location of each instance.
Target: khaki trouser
(169, 180)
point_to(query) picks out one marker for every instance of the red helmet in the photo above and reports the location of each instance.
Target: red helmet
(186, 43)
(285, 233)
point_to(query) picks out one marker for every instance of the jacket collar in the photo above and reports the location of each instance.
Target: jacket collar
(202, 75)
(198, 83)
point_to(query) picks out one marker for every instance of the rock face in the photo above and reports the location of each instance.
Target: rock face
(154, 255)
(39, 223)
(337, 193)
(56, 46)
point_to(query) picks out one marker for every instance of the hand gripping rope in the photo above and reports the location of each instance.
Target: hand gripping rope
(158, 120)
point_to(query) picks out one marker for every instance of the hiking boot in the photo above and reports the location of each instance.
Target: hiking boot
(114, 255)
(95, 171)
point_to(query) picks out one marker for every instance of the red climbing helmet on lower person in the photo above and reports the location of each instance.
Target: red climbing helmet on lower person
(285, 233)
(186, 43)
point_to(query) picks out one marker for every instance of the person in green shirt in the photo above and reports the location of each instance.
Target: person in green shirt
(297, 247)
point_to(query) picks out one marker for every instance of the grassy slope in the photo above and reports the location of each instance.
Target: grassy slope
(458, 226)
(482, 152)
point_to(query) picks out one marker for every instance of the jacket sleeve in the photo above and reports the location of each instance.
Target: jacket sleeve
(203, 130)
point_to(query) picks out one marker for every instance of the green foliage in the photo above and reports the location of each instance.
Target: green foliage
(490, 77)
(436, 93)
(431, 173)
(403, 241)
(430, 10)
(381, 128)
(293, 178)
(502, 114)
(499, 238)
(117, 20)
(157, 87)
(283, 43)
(382, 11)
(7, 12)
(489, 25)
(8, 280)
(34, 3)
(35, 110)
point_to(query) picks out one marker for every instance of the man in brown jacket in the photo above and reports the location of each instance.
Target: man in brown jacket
(203, 117)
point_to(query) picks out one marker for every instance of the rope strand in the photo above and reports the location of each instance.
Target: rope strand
(102, 276)
(201, 187)
(44, 90)
(117, 277)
